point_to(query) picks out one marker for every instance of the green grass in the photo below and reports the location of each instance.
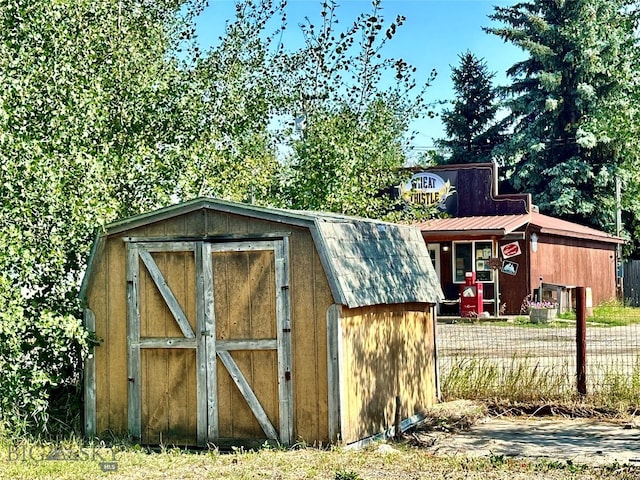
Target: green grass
(607, 314)
(523, 321)
(307, 463)
(620, 391)
(614, 314)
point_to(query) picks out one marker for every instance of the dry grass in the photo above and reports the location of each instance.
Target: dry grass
(407, 459)
(520, 379)
(398, 462)
(525, 380)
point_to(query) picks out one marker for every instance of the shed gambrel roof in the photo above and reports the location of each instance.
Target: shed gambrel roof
(367, 262)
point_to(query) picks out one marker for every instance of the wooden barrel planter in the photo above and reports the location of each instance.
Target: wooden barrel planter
(542, 315)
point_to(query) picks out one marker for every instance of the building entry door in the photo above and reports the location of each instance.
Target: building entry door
(209, 341)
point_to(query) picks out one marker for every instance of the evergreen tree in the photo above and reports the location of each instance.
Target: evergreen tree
(569, 102)
(471, 126)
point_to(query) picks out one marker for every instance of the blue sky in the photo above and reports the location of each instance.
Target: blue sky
(434, 34)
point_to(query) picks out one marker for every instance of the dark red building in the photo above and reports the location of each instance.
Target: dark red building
(511, 247)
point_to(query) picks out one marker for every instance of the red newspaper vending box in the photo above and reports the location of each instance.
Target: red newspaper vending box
(470, 296)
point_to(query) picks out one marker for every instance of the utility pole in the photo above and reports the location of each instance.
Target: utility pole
(619, 267)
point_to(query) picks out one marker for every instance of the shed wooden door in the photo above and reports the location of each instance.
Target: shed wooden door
(209, 342)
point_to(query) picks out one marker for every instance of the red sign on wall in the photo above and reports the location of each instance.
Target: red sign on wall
(510, 250)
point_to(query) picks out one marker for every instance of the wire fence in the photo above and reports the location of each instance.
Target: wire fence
(526, 362)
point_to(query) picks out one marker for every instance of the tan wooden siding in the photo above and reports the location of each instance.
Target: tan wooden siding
(310, 298)
(387, 351)
(168, 396)
(98, 303)
(178, 269)
(217, 223)
(107, 297)
(572, 262)
(111, 361)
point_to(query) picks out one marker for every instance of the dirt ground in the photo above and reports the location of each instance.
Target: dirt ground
(464, 428)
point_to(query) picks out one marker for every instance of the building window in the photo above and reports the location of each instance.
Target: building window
(434, 253)
(472, 257)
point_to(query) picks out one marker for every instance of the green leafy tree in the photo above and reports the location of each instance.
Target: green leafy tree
(346, 160)
(353, 144)
(236, 90)
(89, 103)
(90, 100)
(472, 129)
(570, 102)
(109, 108)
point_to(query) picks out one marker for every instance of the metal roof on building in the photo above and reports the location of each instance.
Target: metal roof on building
(556, 226)
(501, 225)
(367, 262)
(463, 227)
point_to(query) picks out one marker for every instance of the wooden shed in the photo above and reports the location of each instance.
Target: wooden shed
(232, 324)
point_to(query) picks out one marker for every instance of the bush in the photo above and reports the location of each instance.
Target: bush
(40, 360)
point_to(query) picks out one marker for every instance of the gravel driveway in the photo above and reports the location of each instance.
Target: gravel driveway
(580, 441)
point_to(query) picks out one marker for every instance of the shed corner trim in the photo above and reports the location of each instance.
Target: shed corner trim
(334, 380)
(89, 380)
(96, 250)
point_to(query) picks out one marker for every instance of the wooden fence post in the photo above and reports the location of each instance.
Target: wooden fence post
(581, 340)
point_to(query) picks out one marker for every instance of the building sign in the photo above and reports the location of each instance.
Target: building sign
(510, 250)
(427, 189)
(510, 268)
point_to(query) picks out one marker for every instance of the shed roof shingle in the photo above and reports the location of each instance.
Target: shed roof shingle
(378, 263)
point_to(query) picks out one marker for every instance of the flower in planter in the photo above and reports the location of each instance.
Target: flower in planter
(528, 303)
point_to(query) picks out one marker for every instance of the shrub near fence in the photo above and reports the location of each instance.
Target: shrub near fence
(520, 361)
